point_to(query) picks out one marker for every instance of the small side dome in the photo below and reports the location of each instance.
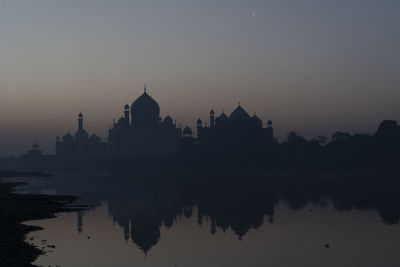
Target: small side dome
(256, 121)
(187, 131)
(94, 138)
(80, 115)
(68, 138)
(126, 107)
(168, 121)
(222, 117)
(212, 112)
(81, 135)
(35, 146)
(121, 120)
(269, 123)
(199, 121)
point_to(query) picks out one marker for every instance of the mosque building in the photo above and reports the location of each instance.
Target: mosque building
(79, 145)
(239, 131)
(142, 132)
(139, 132)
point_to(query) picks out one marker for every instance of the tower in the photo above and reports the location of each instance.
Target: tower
(199, 126)
(199, 123)
(80, 122)
(126, 114)
(212, 118)
(270, 130)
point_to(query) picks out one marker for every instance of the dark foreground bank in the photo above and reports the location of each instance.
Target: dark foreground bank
(17, 208)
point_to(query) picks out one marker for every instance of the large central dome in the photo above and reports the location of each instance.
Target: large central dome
(239, 114)
(145, 110)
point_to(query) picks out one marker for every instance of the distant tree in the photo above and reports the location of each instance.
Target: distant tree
(314, 143)
(340, 136)
(294, 138)
(322, 139)
(388, 132)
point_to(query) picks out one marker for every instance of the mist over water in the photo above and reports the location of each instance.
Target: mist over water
(166, 219)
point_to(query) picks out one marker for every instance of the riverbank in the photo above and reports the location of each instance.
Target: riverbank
(14, 210)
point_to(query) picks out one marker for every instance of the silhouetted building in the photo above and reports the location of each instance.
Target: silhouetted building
(144, 133)
(141, 132)
(239, 131)
(81, 145)
(187, 141)
(35, 159)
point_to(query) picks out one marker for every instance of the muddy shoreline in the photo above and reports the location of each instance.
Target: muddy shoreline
(17, 208)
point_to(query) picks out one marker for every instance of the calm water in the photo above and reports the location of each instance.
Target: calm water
(164, 220)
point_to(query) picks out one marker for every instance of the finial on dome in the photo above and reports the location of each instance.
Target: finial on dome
(239, 103)
(145, 88)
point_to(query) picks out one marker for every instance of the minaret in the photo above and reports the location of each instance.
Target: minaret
(126, 113)
(199, 126)
(212, 118)
(80, 122)
(270, 130)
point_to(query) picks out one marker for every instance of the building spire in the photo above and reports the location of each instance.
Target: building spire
(80, 121)
(145, 89)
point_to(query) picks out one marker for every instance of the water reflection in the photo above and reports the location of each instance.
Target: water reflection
(142, 203)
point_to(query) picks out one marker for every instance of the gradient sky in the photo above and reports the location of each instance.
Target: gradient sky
(311, 66)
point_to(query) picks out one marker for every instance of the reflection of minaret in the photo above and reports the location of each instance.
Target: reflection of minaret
(80, 220)
(126, 231)
(188, 211)
(213, 225)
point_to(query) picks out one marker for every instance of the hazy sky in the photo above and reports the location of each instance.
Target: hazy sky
(311, 66)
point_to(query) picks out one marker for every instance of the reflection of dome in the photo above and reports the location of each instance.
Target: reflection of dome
(239, 114)
(145, 232)
(187, 131)
(145, 109)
